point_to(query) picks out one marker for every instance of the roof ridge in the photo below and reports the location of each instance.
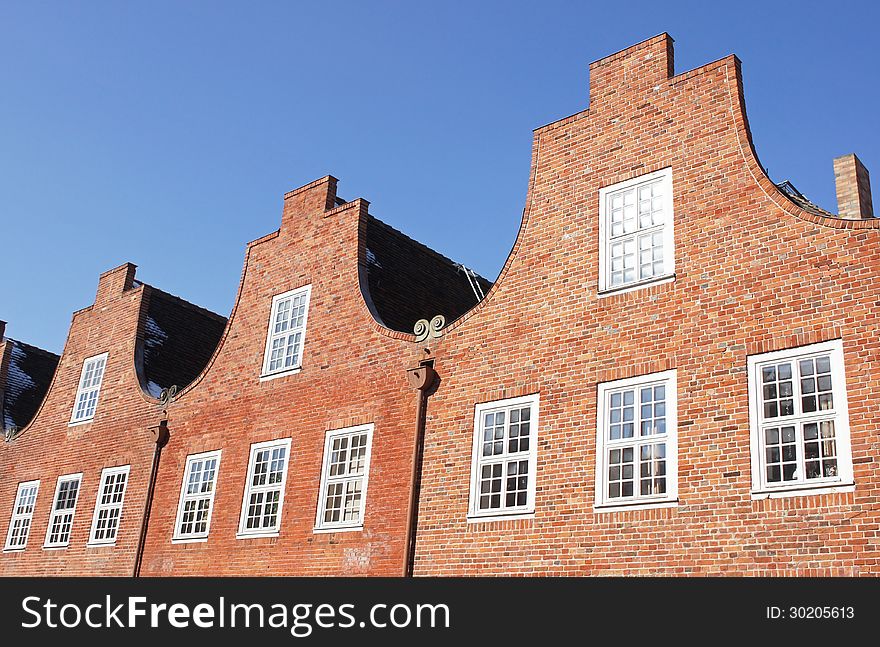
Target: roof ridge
(188, 304)
(430, 251)
(31, 347)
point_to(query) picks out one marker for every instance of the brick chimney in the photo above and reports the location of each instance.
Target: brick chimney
(2, 329)
(853, 188)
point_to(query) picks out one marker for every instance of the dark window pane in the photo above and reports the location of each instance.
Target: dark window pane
(831, 467)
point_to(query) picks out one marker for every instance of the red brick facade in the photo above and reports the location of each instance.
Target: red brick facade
(118, 435)
(755, 272)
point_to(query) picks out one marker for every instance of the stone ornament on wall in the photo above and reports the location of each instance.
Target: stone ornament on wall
(424, 329)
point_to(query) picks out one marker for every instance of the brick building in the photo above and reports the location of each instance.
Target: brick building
(673, 374)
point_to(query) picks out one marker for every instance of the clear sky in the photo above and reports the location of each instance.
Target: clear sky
(166, 133)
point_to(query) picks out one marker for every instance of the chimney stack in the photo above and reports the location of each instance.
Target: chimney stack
(853, 188)
(2, 329)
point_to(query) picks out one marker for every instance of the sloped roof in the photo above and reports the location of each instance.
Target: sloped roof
(408, 281)
(25, 374)
(801, 200)
(179, 339)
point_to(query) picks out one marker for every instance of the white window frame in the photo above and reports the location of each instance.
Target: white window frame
(178, 537)
(505, 512)
(343, 526)
(17, 516)
(55, 512)
(605, 287)
(106, 474)
(844, 481)
(606, 503)
(250, 488)
(266, 373)
(81, 391)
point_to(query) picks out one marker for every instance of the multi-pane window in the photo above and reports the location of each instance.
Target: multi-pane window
(89, 388)
(287, 331)
(197, 496)
(108, 507)
(636, 231)
(264, 490)
(637, 441)
(504, 453)
(63, 509)
(22, 514)
(800, 426)
(344, 478)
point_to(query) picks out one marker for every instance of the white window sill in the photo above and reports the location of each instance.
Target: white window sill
(56, 547)
(100, 544)
(638, 285)
(803, 490)
(77, 423)
(258, 535)
(188, 540)
(265, 377)
(328, 529)
(601, 508)
(505, 516)
(14, 549)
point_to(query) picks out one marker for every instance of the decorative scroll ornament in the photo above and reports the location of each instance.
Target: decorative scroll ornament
(433, 330)
(167, 395)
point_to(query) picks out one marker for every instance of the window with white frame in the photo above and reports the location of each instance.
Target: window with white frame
(22, 515)
(344, 478)
(63, 509)
(197, 497)
(636, 238)
(637, 442)
(287, 332)
(799, 419)
(108, 506)
(264, 489)
(504, 458)
(89, 388)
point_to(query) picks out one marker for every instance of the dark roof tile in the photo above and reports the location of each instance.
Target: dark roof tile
(408, 281)
(179, 339)
(25, 374)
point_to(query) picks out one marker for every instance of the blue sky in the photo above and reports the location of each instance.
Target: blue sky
(166, 133)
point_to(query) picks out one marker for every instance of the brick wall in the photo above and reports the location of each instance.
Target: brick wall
(118, 435)
(353, 372)
(754, 273)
